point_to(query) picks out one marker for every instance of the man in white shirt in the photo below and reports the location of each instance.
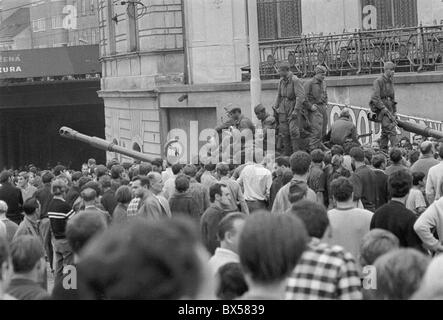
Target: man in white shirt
(256, 182)
(228, 232)
(348, 224)
(435, 180)
(169, 185)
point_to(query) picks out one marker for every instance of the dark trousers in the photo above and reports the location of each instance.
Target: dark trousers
(388, 134)
(63, 257)
(256, 205)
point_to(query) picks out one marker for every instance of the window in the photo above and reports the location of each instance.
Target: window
(57, 22)
(38, 25)
(83, 7)
(93, 6)
(279, 19)
(391, 13)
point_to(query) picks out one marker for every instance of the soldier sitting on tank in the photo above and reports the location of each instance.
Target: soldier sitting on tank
(343, 130)
(384, 105)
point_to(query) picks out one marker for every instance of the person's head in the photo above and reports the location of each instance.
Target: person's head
(284, 69)
(379, 161)
(28, 257)
(399, 184)
(270, 247)
(156, 182)
(405, 143)
(440, 151)
(346, 113)
(229, 230)
(389, 69)
(89, 195)
(414, 156)
(190, 170)
(3, 208)
(100, 171)
(59, 187)
(418, 139)
(117, 171)
(342, 190)
(22, 179)
(91, 163)
(58, 170)
(232, 283)
(314, 217)
(31, 207)
(85, 169)
(5, 176)
(396, 155)
(375, 145)
(182, 184)
(140, 186)
(163, 260)
(431, 287)
(399, 274)
(210, 167)
(157, 165)
(82, 228)
(177, 169)
(300, 163)
(222, 169)
(260, 112)
(123, 195)
(427, 148)
(318, 156)
(219, 193)
(106, 182)
(320, 73)
(96, 186)
(144, 169)
(418, 179)
(83, 181)
(75, 177)
(5, 265)
(357, 154)
(375, 244)
(337, 150)
(282, 163)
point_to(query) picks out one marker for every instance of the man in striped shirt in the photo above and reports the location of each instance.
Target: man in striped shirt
(59, 212)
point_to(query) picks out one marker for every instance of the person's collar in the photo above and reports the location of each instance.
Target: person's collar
(225, 251)
(399, 201)
(314, 242)
(90, 206)
(59, 198)
(299, 178)
(359, 165)
(427, 156)
(317, 165)
(345, 206)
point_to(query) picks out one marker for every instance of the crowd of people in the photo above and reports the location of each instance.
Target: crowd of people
(349, 223)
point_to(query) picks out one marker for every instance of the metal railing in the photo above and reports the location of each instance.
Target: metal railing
(363, 52)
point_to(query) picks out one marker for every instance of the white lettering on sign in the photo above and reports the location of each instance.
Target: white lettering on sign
(70, 21)
(369, 17)
(10, 69)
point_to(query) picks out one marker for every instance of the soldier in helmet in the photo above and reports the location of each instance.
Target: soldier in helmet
(317, 101)
(267, 122)
(236, 120)
(289, 111)
(384, 105)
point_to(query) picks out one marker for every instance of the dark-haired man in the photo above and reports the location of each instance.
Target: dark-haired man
(363, 180)
(237, 199)
(155, 206)
(196, 189)
(323, 272)
(298, 188)
(29, 225)
(89, 197)
(394, 216)
(228, 233)
(29, 265)
(348, 224)
(396, 157)
(281, 176)
(220, 197)
(381, 179)
(12, 196)
(140, 186)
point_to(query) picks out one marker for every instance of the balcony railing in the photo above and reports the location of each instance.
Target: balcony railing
(364, 52)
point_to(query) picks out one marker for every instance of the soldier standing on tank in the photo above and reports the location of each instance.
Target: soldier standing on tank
(267, 122)
(317, 101)
(384, 105)
(289, 111)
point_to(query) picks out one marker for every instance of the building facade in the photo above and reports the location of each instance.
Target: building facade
(170, 69)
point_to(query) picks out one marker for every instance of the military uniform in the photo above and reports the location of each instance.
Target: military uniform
(316, 94)
(288, 114)
(383, 96)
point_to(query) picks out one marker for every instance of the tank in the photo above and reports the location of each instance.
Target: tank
(101, 144)
(416, 128)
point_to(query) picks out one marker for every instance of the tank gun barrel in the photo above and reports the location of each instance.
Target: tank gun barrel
(101, 144)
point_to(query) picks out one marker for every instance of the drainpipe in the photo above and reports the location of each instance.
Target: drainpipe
(185, 45)
(254, 55)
